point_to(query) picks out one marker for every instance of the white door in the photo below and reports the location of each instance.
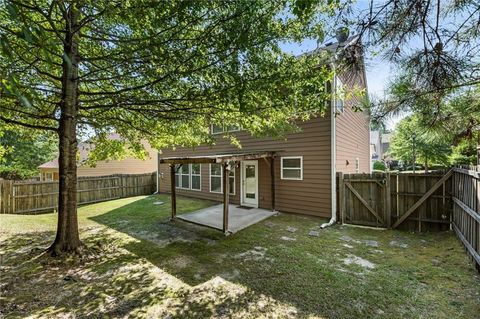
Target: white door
(250, 183)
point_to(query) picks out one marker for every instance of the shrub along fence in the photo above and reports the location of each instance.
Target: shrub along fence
(34, 197)
(415, 202)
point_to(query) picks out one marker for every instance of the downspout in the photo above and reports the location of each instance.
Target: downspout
(333, 158)
(342, 37)
(158, 168)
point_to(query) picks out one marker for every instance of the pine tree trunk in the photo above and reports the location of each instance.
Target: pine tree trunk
(67, 239)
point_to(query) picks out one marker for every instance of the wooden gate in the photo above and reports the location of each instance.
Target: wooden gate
(423, 202)
(414, 202)
(364, 199)
(418, 202)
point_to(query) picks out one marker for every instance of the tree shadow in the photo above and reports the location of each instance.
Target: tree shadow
(198, 255)
(107, 281)
(139, 264)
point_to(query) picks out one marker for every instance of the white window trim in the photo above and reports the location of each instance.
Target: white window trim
(199, 175)
(210, 179)
(291, 168)
(221, 180)
(180, 174)
(177, 173)
(338, 85)
(211, 130)
(234, 177)
(224, 131)
(357, 165)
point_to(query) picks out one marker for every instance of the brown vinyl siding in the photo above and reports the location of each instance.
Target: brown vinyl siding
(308, 196)
(352, 131)
(312, 195)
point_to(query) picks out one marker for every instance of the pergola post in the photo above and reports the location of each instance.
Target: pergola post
(172, 191)
(272, 178)
(226, 191)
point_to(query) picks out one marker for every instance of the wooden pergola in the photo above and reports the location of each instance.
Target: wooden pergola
(225, 160)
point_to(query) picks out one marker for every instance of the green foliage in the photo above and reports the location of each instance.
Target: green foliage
(465, 153)
(429, 146)
(456, 121)
(379, 166)
(24, 152)
(435, 46)
(163, 71)
(154, 70)
(460, 116)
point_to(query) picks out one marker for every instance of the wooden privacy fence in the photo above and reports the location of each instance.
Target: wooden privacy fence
(415, 202)
(466, 208)
(35, 197)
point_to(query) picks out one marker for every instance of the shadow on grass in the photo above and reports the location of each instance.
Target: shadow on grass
(198, 256)
(107, 281)
(142, 265)
(145, 220)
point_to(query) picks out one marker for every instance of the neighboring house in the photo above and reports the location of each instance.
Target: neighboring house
(385, 139)
(375, 147)
(379, 146)
(129, 165)
(304, 164)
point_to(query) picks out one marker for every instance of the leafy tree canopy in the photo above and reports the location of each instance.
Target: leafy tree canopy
(24, 151)
(435, 48)
(153, 70)
(411, 139)
(163, 70)
(464, 153)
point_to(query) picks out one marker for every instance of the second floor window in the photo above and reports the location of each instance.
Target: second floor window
(218, 129)
(339, 95)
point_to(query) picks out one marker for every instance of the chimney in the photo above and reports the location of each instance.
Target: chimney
(342, 34)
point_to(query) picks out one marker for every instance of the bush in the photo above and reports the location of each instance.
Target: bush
(417, 167)
(379, 166)
(16, 173)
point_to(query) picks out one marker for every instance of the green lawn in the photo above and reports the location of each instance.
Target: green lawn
(141, 265)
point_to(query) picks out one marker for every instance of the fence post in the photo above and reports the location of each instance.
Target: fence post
(2, 196)
(122, 185)
(6, 197)
(388, 201)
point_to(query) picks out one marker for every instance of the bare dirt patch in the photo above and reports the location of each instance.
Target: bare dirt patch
(355, 260)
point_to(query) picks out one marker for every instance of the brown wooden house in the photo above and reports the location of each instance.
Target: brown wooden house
(294, 175)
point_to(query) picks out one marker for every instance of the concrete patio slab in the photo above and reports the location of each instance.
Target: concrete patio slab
(238, 218)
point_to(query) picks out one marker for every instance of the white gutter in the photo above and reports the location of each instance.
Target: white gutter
(333, 157)
(333, 170)
(158, 168)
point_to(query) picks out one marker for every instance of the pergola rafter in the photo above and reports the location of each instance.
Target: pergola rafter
(225, 160)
